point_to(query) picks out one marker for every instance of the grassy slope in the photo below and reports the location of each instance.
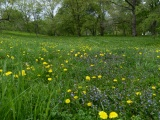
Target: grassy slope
(32, 96)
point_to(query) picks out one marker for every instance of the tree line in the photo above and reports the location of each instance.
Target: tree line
(81, 17)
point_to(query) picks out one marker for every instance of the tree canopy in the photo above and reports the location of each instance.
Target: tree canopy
(81, 17)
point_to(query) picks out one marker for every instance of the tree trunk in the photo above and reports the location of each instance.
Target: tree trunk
(134, 31)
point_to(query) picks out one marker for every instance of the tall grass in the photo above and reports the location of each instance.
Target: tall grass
(110, 74)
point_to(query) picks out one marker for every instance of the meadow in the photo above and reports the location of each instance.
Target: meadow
(79, 78)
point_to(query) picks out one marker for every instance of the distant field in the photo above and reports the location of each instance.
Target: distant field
(79, 78)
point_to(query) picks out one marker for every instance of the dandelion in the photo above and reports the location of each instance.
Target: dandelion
(153, 87)
(89, 104)
(115, 80)
(8, 73)
(16, 76)
(23, 73)
(66, 61)
(103, 115)
(92, 65)
(64, 69)
(99, 76)
(154, 94)
(75, 97)
(129, 101)
(49, 79)
(50, 71)
(69, 90)
(138, 93)
(45, 63)
(67, 101)
(88, 78)
(12, 57)
(75, 55)
(84, 92)
(123, 78)
(1, 70)
(113, 115)
(93, 77)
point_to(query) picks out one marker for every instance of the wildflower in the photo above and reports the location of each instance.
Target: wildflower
(154, 94)
(23, 73)
(1, 70)
(99, 76)
(103, 115)
(36, 60)
(113, 87)
(75, 97)
(153, 87)
(67, 101)
(66, 61)
(64, 69)
(12, 57)
(69, 90)
(138, 93)
(42, 58)
(48, 66)
(92, 65)
(84, 92)
(50, 71)
(115, 80)
(16, 76)
(113, 115)
(123, 78)
(93, 77)
(129, 101)
(89, 104)
(8, 73)
(75, 55)
(88, 78)
(45, 63)
(140, 53)
(49, 79)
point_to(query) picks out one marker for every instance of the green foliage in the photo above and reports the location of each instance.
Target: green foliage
(38, 75)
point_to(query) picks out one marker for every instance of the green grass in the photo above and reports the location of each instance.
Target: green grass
(130, 70)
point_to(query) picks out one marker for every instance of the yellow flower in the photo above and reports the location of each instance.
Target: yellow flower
(8, 73)
(153, 87)
(16, 76)
(89, 104)
(115, 80)
(76, 55)
(103, 115)
(93, 77)
(138, 93)
(64, 69)
(92, 65)
(66, 61)
(50, 71)
(45, 63)
(129, 101)
(67, 101)
(1, 70)
(123, 78)
(49, 79)
(12, 57)
(113, 115)
(88, 78)
(36, 60)
(42, 58)
(69, 90)
(84, 92)
(99, 76)
(23, 73)
(154, 94)
(75, 97)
